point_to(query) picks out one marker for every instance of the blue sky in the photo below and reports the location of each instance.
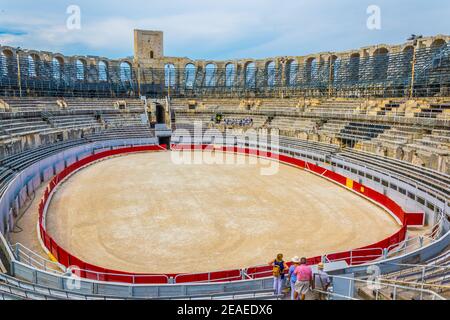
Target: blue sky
(217, 29)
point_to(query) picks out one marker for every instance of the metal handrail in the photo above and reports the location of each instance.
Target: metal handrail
(332, 114)
(211, 296)
(352, 256)
(17, 284)
(431, 237)
(21, 293)
(428, 271)
(394, 287)
(435, 286)
(5, 296)
(32, 256)
(410, 265)
(44, 266)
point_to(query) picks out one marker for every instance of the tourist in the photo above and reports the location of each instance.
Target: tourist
(279, 266)
(321, 282)
(304, 278)
(292, 277)
(245, 122)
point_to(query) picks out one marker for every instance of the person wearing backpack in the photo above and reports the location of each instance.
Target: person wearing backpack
(279, 267)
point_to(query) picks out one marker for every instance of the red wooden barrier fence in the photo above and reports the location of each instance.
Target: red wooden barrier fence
(357, 256)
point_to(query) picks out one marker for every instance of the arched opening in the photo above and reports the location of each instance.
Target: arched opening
(32, 65)
(57, 68)
(380, 64)
(102, 71)
(210, 75)
(229, 75)
(436, 51)
(151, 54)
(406, 61)
(170, 75)
(270, 74)
(80, 69)
(437, 44)
(335, 65)
(354, 67)
(250, 75)
(291, 73)
(7, 62)
(408, 49)
(125, 72)
(189, 75)
(3, 70)
(310, 70)
(160, 114)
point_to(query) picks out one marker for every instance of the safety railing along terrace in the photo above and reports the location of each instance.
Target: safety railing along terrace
(352, 257)
(370, 287)
(363, 116)
(25, 290)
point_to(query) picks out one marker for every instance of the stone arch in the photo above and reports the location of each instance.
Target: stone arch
(103, 73)
(270, 73)
(33, 62)
(57, 67)
(380, 63)
(8, 52)
(189, 75)
(210, 74)
(230, 74)
(380, 51)
(160, 113)
(6, 57)
(292, 68)
(81, 69)
(60, 59)
(250, 74)
(407, 48)
(437, 44)
(126, 72)
(31, 67)
(406, 60)
(170, 75)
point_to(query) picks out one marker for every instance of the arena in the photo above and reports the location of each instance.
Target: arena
(230, 220)
(159, 177)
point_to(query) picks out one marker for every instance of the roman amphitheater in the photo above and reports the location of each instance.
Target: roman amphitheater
(155, 177)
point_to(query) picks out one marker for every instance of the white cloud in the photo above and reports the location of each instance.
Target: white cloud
(213, 28)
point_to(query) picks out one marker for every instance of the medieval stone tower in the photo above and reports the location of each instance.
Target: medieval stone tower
(148, 48)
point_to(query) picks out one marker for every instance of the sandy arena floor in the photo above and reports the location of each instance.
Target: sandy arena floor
(143, 213)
